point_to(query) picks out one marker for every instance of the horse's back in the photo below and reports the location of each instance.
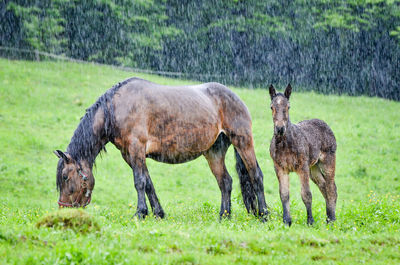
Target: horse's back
(207, 100)
(176, 123)
(236, 116)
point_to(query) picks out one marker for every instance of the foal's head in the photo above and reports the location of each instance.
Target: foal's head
(74, 181)
(280, 106)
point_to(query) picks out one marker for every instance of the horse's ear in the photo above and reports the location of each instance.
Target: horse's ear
(288, 91)
(272, 91)
(61, 154)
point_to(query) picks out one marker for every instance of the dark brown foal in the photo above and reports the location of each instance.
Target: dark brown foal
(307, 148)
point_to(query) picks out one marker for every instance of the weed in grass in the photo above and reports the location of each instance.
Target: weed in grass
(75, 219)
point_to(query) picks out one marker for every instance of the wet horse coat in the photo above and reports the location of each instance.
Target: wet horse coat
(169, 124)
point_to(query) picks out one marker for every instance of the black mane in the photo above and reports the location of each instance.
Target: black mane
(85, 145)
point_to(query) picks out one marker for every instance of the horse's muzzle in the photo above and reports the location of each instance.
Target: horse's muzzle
(74, 204)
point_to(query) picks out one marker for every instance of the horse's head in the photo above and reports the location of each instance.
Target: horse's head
(75, 181)
(280, 106)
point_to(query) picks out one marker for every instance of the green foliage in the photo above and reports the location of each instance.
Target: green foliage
(357, 15)
(41, 25)
(42, 103)
(107, 31)
(330, 46)
(396, 33)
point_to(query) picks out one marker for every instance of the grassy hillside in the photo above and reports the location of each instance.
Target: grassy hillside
(40, 107)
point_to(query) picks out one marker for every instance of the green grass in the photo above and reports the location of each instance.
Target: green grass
(40, 106)
(75, 219)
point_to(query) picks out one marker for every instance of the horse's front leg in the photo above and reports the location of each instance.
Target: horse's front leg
(135, 157)
(137, 160)
(151, 194)
(140, 184)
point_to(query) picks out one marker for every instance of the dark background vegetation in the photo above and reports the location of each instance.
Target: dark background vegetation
(350, 47)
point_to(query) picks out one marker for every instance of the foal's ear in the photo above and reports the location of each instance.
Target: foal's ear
(288, 91)
(272, 91)
(61, 154)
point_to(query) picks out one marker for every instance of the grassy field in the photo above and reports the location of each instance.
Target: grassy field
(40, 106)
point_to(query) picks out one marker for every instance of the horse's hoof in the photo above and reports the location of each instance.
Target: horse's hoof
(159, 214)
(224, 214)
(330, 220)
(287, 222)
(140, 215)
(264, 216)
(310, 221)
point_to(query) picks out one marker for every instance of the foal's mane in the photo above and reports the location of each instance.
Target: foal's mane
(279, 94)
(84, 144)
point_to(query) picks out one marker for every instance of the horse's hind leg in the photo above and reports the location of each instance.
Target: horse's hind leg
(327, 167)
(216, 160)
(246, 186)
(245, 148)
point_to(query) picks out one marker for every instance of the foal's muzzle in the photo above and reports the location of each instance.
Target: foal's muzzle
(280, 130)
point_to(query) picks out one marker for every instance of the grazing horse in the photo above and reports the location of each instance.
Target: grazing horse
(307, 148)
(170, 124)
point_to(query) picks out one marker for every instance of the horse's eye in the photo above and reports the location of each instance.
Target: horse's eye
(65, 178)
(271, 107)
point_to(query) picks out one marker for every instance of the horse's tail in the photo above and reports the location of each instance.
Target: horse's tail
(248, 192)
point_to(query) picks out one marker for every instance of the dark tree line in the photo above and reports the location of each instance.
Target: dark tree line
(337, 46)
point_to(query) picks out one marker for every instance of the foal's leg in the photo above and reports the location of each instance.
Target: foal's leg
(318, 178)
(217, 166)
(283, 178)
(306, 195)
(248, 156)
(328, 170)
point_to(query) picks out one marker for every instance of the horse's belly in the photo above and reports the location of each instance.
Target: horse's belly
(181, 147)
(173, 158)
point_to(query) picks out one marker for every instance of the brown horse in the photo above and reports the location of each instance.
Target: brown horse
(307, 148)
(168, 124)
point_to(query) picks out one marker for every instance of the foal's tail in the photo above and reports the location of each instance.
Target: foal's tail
(248, 192)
